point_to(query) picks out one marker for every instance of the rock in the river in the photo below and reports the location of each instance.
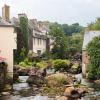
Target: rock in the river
(82, 91)
(63, 98)
(97, 81)
(23, 72)
(68, 91)
(37, 71)
(5, 93)
(34, 79)
(72, 93)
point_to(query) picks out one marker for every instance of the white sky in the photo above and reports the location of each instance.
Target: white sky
(62, 11)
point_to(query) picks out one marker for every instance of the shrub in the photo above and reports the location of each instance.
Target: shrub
(56, 79)
(75, 66)
(26, 63)
(41, 64)
(59, 64)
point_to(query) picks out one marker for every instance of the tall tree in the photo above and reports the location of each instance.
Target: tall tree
(57, 33)
(25, 32)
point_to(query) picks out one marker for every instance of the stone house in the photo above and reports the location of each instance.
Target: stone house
(39, 41)
(88, 36)
(7, 42)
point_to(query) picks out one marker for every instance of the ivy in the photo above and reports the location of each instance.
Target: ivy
(93, 50)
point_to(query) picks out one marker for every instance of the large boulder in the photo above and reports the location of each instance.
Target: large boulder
(34, 79)
(68, 91)
(63, 98)
(72, 93)
(37, 71)
(23, 72)
(82, 91)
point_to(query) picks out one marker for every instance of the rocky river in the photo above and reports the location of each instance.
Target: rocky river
(22, 91)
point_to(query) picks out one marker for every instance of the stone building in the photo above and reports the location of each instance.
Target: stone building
(7, 42)
(7, 38)
(89, 35)
(39, 41)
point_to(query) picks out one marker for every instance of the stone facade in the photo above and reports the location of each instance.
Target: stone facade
(39, 41)
(85, 61)
(88, 37)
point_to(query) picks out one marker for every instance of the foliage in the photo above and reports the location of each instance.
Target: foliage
(59, 64)
(74, 44)
(47, 55)
(95, 25)
(25, 63)
(25, 32)
(57, 33)
(41, 64)
(19, 55)
(74, 28)
(22, 40)
(93, 50)
(56, 79)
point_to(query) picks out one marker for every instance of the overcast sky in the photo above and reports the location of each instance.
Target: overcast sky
(62, 11)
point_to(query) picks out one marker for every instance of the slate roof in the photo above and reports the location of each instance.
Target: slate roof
(88, 37)
(15, 21)
(5, 23)
(32, 24)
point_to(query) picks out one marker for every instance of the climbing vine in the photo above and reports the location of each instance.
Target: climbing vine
(93, 50)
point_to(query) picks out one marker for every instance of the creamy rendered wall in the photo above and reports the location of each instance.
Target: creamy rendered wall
(7, 45)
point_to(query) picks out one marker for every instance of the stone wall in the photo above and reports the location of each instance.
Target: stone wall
(85, 61)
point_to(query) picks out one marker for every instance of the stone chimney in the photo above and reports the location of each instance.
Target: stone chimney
(6, 12)
(22, 15)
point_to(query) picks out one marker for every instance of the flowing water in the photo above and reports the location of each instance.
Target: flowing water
(22, 91)
(94, 93)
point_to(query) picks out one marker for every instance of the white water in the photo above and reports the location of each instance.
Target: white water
(24, 86)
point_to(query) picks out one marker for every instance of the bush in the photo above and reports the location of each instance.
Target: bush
(56, 79)
(59, 64)
(26, 63)
(41, 64)
(93, 50)
(75, 68)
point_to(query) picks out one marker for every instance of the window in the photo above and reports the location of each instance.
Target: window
(38, 41)
(43, 42)
(34, 41)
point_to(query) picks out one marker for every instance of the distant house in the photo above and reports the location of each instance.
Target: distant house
(7, 43)
(39, 41)
(89, 35)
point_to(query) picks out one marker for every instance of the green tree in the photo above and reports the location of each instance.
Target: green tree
(25, 32)
(74, 44)
(69, 29)
(93, 50)
(95, 25)
(57, 33)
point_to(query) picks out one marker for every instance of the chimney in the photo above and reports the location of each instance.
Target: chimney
(22, 15)
(5, 13)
